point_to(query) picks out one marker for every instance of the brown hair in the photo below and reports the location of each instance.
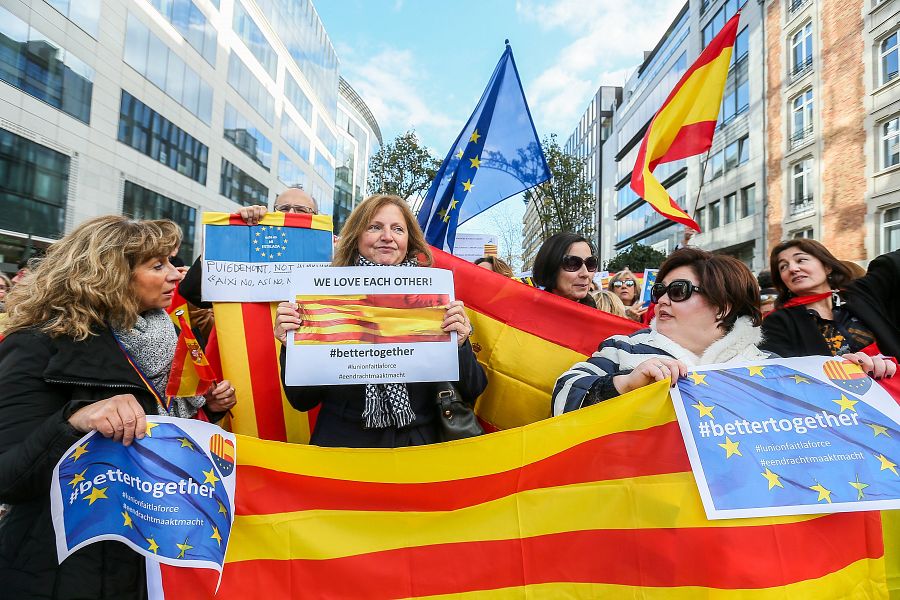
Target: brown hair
(497, 265)
(84, 280)
(346, 252)
(725, 282)
(839, 276)
(856, 271)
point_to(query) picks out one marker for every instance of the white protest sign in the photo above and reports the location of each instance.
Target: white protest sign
(470, 246)
(371, 325)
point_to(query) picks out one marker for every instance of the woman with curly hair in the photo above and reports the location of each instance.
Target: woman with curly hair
(80, 326)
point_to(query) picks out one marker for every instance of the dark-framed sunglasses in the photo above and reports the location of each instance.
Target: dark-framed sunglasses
(292, 208)
(678, 291)
(626, 283)
(573, 263)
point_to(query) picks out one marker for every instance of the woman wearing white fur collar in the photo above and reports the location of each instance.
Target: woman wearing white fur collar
(707, 312)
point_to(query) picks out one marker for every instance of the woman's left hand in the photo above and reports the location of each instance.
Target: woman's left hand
(456, 320)
(874, 366)
(220, 397)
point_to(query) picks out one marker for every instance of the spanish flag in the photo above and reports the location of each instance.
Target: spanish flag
(596, 503)
(191, 373)
(685, 123)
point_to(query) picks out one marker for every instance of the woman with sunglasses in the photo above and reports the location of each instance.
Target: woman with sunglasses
(822, 310)
(707, 311)
(565, 266)
(624, 285)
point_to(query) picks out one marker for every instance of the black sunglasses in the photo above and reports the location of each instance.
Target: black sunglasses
(678, 291)
(573, 263)
(626, 283)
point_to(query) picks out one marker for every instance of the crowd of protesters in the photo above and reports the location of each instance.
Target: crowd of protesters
(88, 346)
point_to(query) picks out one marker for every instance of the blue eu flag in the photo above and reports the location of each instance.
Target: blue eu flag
(497, 155)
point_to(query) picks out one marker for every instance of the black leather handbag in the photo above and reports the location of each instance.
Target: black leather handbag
(457, 417)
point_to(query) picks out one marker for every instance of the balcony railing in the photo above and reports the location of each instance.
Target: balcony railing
(800, 137)
(801, 205)
(801, 69)
(795, 5)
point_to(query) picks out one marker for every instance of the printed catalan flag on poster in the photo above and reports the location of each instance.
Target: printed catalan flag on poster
(599, 502)
(685, 124)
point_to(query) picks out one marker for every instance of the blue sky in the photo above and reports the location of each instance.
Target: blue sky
(423, 64)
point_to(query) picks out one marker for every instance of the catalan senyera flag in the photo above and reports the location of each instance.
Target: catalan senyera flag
(685, 123)
(600, 502)
(191, 373)
(372, 319)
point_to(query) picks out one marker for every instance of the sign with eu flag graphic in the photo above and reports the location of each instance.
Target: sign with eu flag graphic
(790, 436)
(256, 263)
(169, 496)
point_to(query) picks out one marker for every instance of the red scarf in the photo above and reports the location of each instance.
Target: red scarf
(801, 300)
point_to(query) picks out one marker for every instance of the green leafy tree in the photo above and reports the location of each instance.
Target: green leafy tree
(565, 202)
(637, 258)
(403, 167)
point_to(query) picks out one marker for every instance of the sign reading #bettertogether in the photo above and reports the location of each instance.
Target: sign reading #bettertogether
(169, 496)
(790, 436)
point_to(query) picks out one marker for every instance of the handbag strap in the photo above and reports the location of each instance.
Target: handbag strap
(164, 404)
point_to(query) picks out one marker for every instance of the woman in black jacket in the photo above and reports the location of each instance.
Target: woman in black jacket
(381, 230)
(821, 310)
(63, 374)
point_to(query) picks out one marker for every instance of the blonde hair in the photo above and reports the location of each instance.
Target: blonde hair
(84, 280)
(609, 302)
(346, 252)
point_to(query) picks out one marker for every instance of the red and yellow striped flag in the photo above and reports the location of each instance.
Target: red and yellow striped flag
(600, 502)
(685, 123)
(191, 373)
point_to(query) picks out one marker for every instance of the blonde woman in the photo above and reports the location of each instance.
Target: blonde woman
(382, 231)
(609, 302)
(99, 294)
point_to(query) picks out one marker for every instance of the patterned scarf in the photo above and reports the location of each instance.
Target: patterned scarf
(387, 404)
(151, 345)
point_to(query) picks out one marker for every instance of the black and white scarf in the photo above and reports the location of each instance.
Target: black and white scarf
(151, 345)
(387, 404)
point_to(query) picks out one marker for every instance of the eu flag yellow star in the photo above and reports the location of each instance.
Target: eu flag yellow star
(96, 494)
(878, 429)
(859, 488)
(772, 478)
(216, 536)
(453, 203)
(730, 447)
(186, 443)
(757, 370)
(467, 185)
(824, 494)
(79, 477)
(475, 136)
(799, 379)
(222, 508)
(127, 518)
(846, 403)
(698, 378)
(705, 411)
(153, 547)
(184, 548)
(210, 477)
(887, 464)
(475, 162)
(150, 427)
(79, 450)
(459, 154)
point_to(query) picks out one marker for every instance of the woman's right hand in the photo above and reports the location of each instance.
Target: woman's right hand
(649, 371)
(287, 318)
(636, 312)
(121, 418)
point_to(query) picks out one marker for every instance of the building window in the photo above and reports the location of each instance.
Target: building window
(729, 208)
(743, 149)
(84, 13)
(150, 57)
(327, 138)
(714, 25)
(253, 38)
(795, 5)
(718, 165)
(890, 230)
(151, 134)
(701, 218)
(802, 233)
(801, 118)
(38, 66)
(714, 211)
(801, 51)
(324, 168)
(741, 46)
(890, 143)
(247, 138)
(250, 89)
(289, 173)
(294, 136)
(748, 201)
(736, 99)
(34, 183)
(140, 203)
(240, 187)
(192, 24)
(888, 54)
(297, 98)
(801, 195)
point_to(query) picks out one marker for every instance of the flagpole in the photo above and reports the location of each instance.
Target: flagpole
(700, 187)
